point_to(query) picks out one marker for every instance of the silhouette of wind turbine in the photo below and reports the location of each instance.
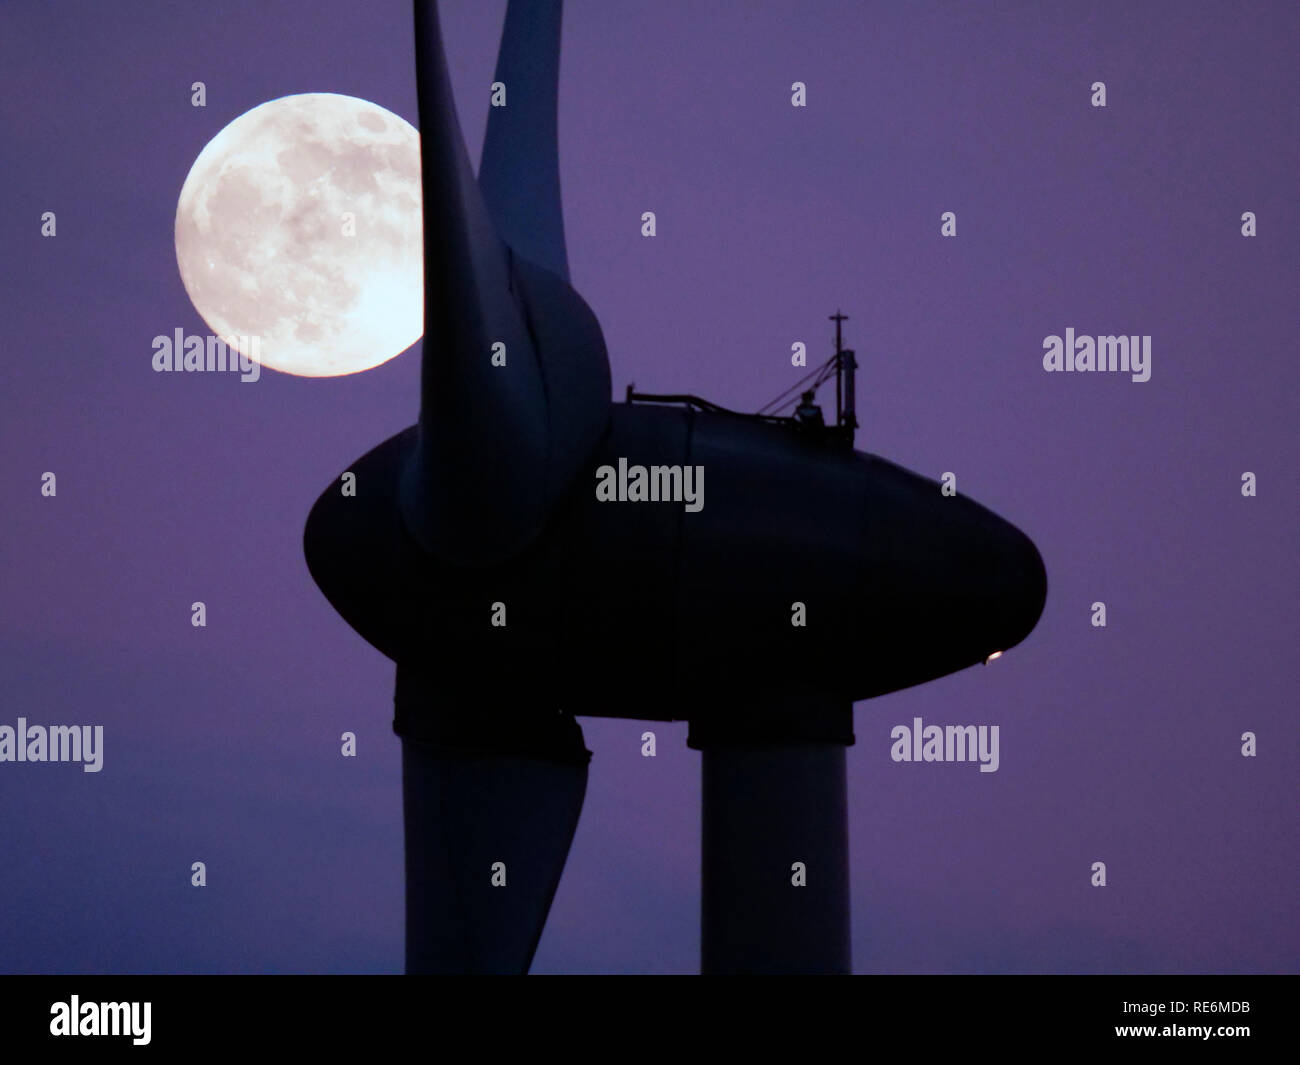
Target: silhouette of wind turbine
(487, 510)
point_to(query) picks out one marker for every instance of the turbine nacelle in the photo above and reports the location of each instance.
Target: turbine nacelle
(858, 576)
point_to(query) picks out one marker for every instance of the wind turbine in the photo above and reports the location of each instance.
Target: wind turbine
(486, 511)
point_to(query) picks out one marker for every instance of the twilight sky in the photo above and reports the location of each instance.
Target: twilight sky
(1119, 744)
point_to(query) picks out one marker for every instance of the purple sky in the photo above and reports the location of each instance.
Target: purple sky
(1118, 744)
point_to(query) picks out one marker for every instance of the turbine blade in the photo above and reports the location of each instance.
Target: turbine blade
(515, 379)
(520, 169)
(488, 829)
(468, 510)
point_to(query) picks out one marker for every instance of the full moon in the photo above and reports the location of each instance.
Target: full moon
(300, 224)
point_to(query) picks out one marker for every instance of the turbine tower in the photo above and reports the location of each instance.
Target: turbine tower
(477, 556)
